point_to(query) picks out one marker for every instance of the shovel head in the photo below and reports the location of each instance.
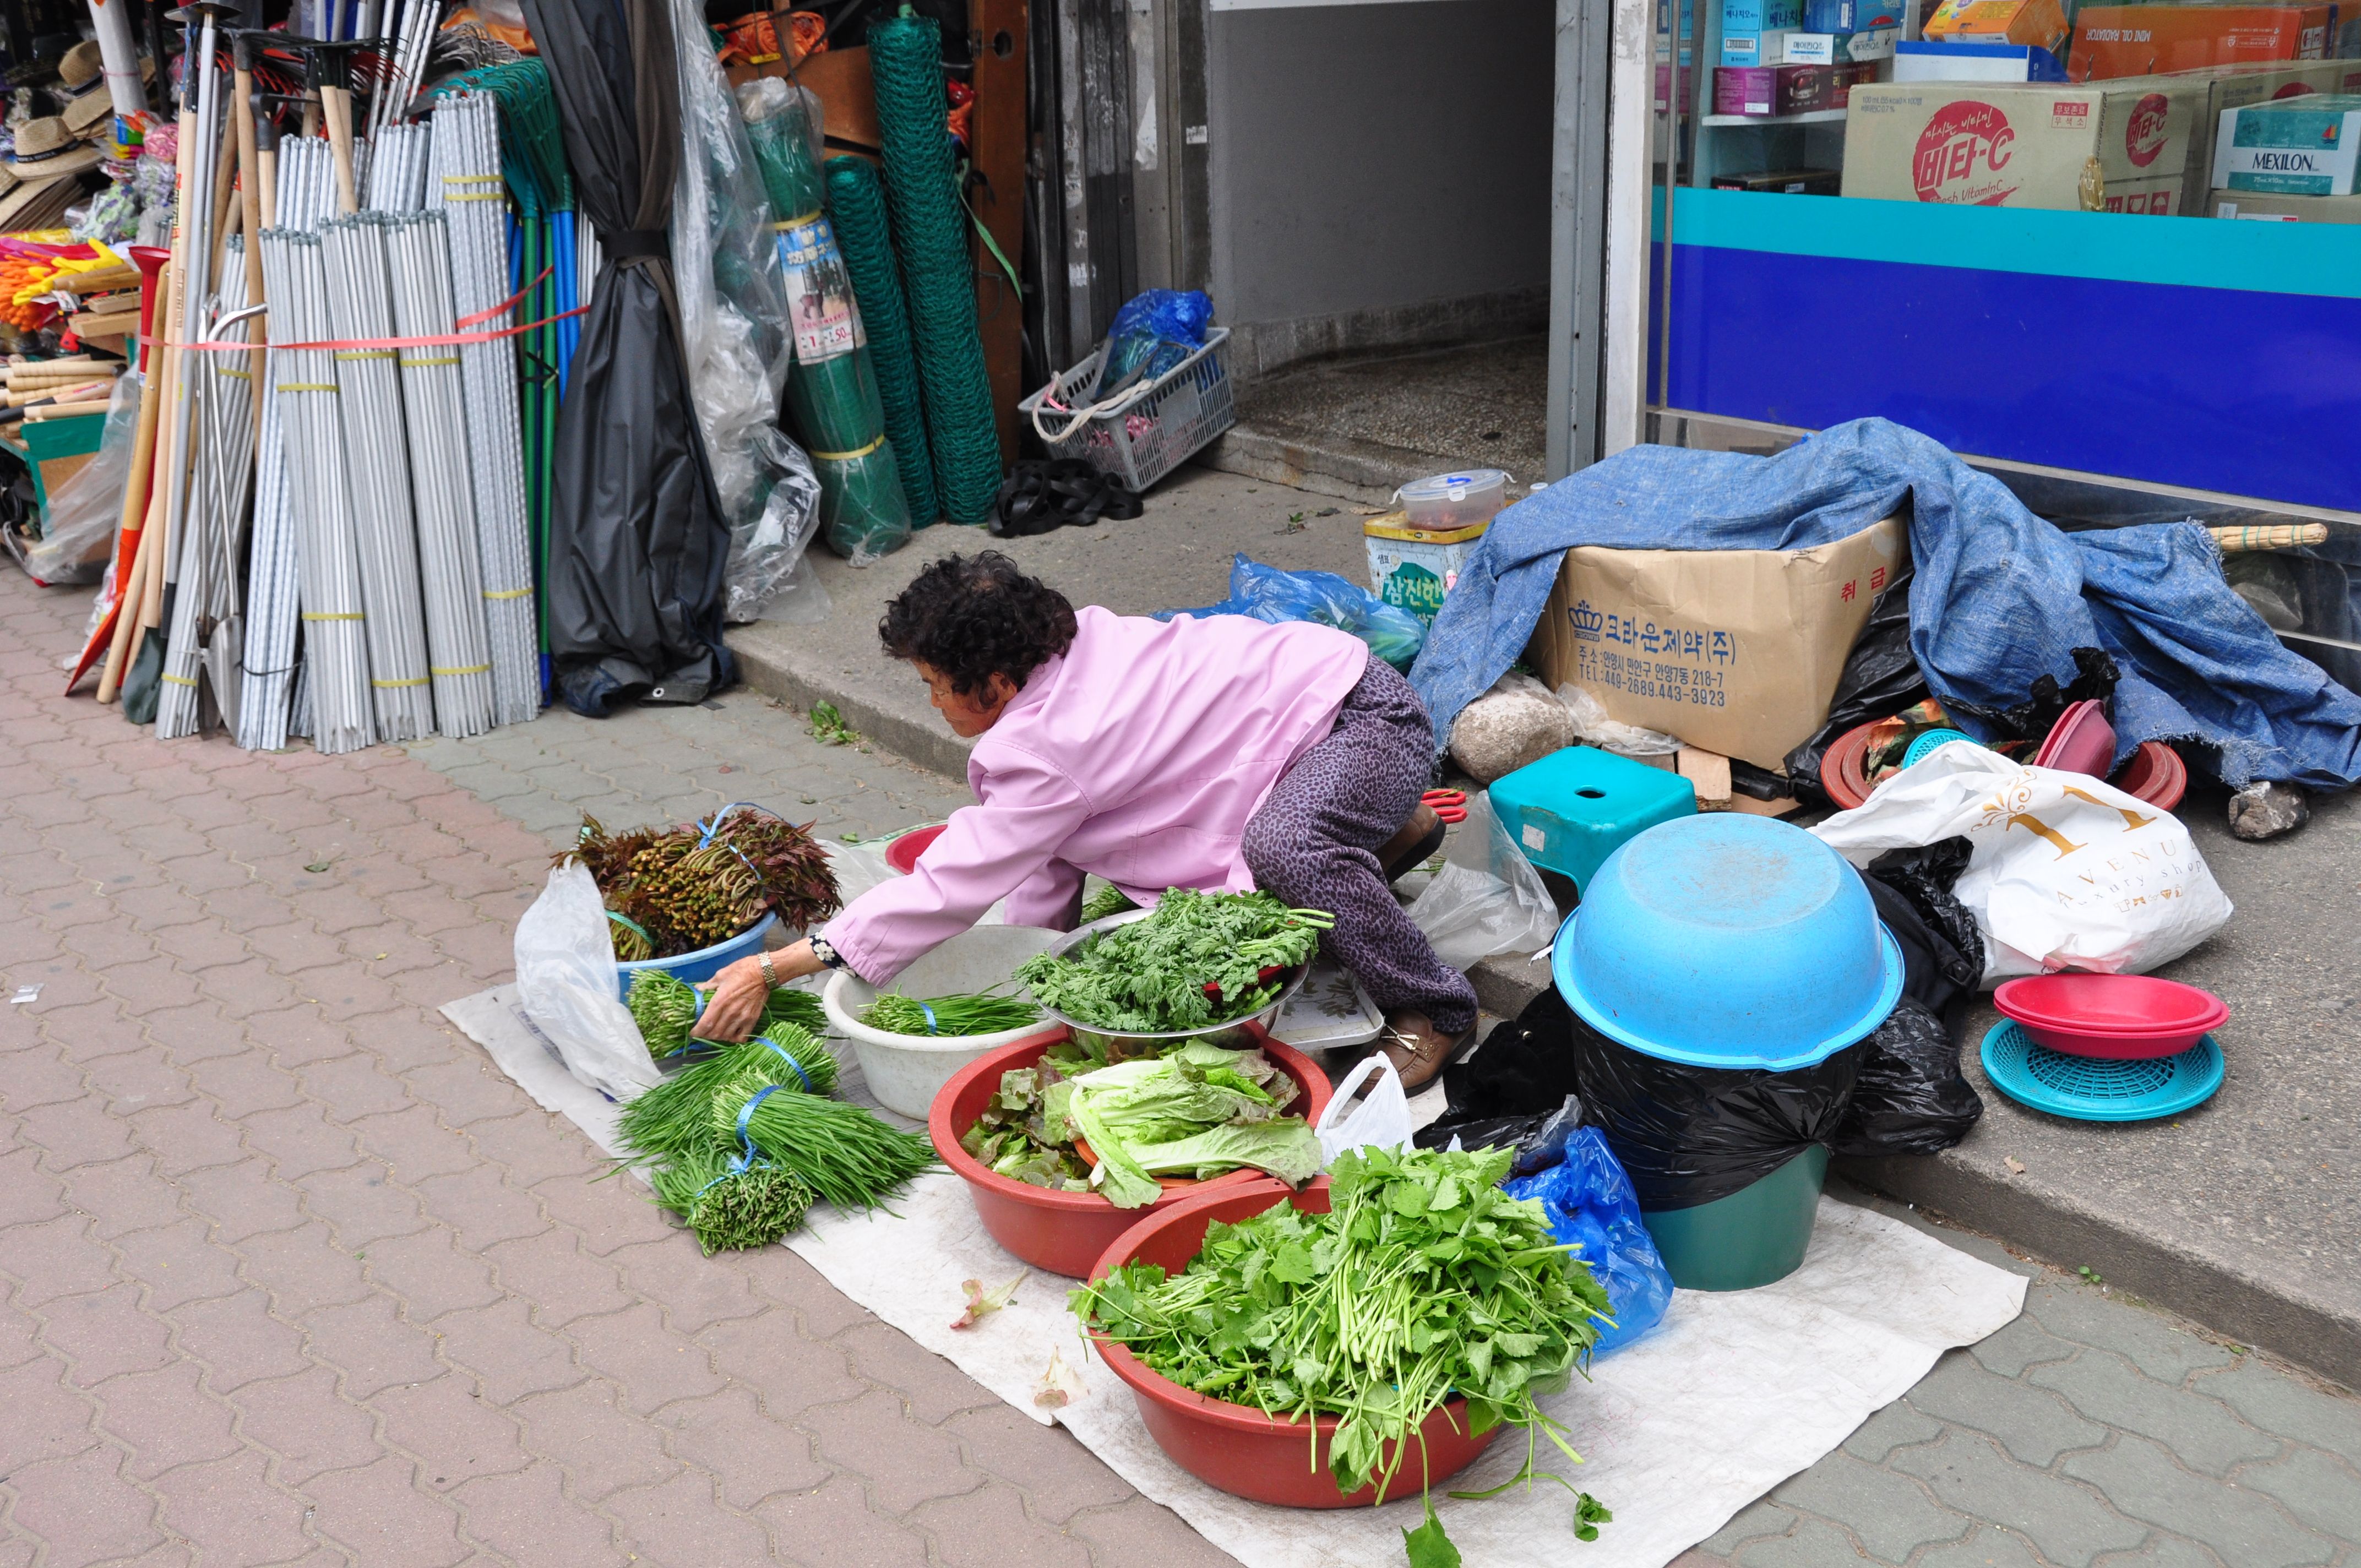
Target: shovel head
(224, 667)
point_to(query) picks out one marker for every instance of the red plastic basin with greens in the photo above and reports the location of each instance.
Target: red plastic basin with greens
(1237, 1447)
(1066, 1232)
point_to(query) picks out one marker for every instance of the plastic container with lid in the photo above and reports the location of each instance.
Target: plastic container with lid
(1464, 500)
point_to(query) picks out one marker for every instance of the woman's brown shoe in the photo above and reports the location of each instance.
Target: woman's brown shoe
(1419, 1050)
(1413, 843)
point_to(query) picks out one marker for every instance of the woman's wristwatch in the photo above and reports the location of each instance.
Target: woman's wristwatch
(770, 975)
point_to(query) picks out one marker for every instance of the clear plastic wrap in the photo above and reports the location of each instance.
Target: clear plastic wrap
(78, 525)
(565, 983)
(734, 320)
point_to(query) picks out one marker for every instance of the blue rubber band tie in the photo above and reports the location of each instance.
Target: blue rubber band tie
(932, 1028)
(745, 1113)
(710, 829)
(788, 1056)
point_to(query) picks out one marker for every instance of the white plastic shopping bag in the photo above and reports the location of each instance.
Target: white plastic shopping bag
(1488, 898)
(1380, 1121)
(2066, 873)
(566, 983)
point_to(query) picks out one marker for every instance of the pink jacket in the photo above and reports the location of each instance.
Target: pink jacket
(1139, 754)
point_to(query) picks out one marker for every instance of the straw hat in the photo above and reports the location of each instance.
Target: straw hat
(88, 114)
(46, 150)
(79, 71)
(36, 204)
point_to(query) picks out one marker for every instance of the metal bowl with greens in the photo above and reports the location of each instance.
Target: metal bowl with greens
(1198, 965)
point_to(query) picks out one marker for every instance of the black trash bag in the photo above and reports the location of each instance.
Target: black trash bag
(1909, 1096)
(1943, 950)
(1881, 678)
(1685, 1135)
(2037, 715)
(1538, 1141)
(638, 539)
(1522, 1070)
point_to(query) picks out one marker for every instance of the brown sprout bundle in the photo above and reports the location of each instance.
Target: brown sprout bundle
(674, 892)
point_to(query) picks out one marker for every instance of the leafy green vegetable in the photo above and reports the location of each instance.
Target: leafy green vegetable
(1196, 961)
(1424, 1283)
(974, 1013)
(1427, 1546)
(666, 1009)
(675, 1117)
(729, 1208)
(1200, 1111)
(1108, 899)
(840, 1151)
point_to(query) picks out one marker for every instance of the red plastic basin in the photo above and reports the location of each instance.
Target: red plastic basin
(1237, 1447)
(1066, 1232)
(2154, 772)
(2123, 1016)
(2081, 741)
(902, 853)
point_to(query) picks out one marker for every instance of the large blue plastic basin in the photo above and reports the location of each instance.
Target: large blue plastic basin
(704, 963)
(1729, 941)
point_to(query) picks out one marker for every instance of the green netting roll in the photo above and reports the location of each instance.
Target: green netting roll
(930, 237)
(856, 206)
(833, 404)
(783, 129)
(863, 514)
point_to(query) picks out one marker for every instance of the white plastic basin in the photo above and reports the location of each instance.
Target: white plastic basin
(904, 1071)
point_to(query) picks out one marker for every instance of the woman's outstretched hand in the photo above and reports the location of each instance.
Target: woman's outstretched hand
(735, 1005)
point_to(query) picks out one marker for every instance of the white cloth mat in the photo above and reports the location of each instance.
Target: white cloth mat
(1736, 1392)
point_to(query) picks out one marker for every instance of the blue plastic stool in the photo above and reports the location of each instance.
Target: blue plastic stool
(1572, 809)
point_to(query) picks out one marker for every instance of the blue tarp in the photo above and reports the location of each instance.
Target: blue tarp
(2001, 596)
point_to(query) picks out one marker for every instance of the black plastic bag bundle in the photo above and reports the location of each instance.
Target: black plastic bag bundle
(1881, 678)
(1908, 1096)
(1943, 950)
(1538, 1141)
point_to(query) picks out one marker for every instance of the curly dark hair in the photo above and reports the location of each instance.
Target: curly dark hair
(973, 616)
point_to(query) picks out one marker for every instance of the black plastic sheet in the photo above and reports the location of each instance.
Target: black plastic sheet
(638, 541)
(1908, 1096)
(1880, 677)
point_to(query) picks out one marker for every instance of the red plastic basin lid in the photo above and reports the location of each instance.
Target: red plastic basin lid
(2110, 1005)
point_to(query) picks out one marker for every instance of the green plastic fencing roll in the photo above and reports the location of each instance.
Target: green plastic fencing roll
(930, 237)
(832, 401)
(856, 206)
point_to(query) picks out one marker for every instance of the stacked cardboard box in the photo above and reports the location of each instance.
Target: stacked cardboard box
(2118, 147)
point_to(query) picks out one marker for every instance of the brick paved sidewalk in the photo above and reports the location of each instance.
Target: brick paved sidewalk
(288, 1274)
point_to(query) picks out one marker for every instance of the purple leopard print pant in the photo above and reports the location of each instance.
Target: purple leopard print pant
(1314, 844)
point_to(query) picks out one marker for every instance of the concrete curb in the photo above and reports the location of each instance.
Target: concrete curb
(2051, 1224)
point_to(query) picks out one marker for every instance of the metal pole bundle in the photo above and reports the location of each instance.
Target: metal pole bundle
(360, 294)
(332, 700)
(397, 169)
(205, 625)
(465, 183)
(413, 43)
(458, 647)
(307, 186)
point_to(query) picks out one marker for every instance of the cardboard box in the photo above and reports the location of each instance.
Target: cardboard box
(2041, 22)
(2308, 145)
(1850, 16)
(1783, 182)
(1415, 567)
(2145, 40)
(1774, 89)
(2112, 147)
(1918, 61)
(2271, 209)
(1744, 23)
(2235, 86)
(1736, 651)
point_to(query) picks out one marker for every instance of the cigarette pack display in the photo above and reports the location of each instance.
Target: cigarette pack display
(2307, 146)
(1744, 24)
(2119, 147)
(2041, 22)
(2142, 41)
(1774, 89)
(1784, 181)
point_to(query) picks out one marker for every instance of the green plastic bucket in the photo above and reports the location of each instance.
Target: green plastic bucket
(1753, 1236)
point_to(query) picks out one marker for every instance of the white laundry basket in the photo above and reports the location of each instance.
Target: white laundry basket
(904, 1071)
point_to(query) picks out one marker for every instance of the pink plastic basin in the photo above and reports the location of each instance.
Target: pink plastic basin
(2125, 1017)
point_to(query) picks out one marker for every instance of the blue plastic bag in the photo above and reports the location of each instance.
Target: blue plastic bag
(1268, 593)
(1155, 330)
(1592, 1203)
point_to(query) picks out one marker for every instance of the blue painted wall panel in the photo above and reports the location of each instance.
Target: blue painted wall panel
(2256, 394)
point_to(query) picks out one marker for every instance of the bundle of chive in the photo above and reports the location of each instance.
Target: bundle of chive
(971, 1013)
(742, 1142)
(666, 1009)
